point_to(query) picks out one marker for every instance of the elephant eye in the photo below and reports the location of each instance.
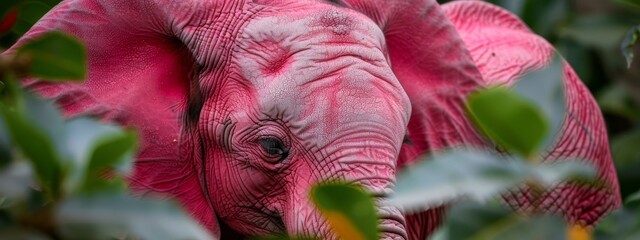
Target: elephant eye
(273, 148)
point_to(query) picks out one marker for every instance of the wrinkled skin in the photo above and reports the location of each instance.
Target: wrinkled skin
(243, 105)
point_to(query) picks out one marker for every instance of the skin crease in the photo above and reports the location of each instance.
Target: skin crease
(243, 105)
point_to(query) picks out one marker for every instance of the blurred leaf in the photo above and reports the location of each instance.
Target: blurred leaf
(349, 210)
(624, 148)
(545, 89)
(33, 141)
(22, 234)
(627, 44)
(633, 198)
(45, 116)
(95, 147)
(455, 174)
(108, 217)
(615, 99)
(16, 180)
(554, 12)
(56, 56)
(112, 151)
(508, 119)
(630, 3)
(30, 13)
(598, 31)
(5, 144)
(477, 175)
(483, 222)
(552, 173)
(622, 224)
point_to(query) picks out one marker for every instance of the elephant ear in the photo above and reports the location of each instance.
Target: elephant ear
(504, 49)
(141, 58)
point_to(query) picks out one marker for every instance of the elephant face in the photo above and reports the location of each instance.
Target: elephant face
(243, 105)
(312, 98)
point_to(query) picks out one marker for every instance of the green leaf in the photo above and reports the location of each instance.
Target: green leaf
(635, 197)
(5, 144)
(16, 181)
(109, 217)
(112, 151)
(55, 56)
(545, 89)
(628, 43)
(455, 174)
(601, 32)
(94, 149)
(352, 219)
(22, 233)
(482, 222)
(615, 99)
(508, 119)
(553, 173)
(624, 148)
(25, 125)
(635, 4)
(477, 175)
(622, 224)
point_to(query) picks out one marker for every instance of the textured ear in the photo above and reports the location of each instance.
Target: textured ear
(141, 74)
(504, 49)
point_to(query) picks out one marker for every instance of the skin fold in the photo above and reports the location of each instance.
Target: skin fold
(243, 105)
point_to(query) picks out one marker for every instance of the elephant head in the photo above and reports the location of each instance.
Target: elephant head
(243, 105)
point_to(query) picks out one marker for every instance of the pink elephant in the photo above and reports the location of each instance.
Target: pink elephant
(243, 105)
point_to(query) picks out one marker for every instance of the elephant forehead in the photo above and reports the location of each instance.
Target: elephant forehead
(304, 43)
(323, 67)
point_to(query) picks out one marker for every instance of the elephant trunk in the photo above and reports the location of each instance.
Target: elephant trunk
(392, 222)
(305, 220)
(375, 176)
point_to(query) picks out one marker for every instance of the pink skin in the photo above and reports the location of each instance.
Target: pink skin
(244, 105)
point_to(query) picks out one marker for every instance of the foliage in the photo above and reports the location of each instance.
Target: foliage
(353, 219)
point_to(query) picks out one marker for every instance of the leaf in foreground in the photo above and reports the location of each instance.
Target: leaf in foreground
(635, 197)
(55, 56)
(16, 180)
(508, 119)
(348, 209)
(96, 147)
(545, 89)
(477, 175)
(109, 217)
(622, 224)
(484, 222)
(627, 44)
(454, 174)
(34, 141)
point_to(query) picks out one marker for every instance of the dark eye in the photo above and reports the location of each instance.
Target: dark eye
(273, 148)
